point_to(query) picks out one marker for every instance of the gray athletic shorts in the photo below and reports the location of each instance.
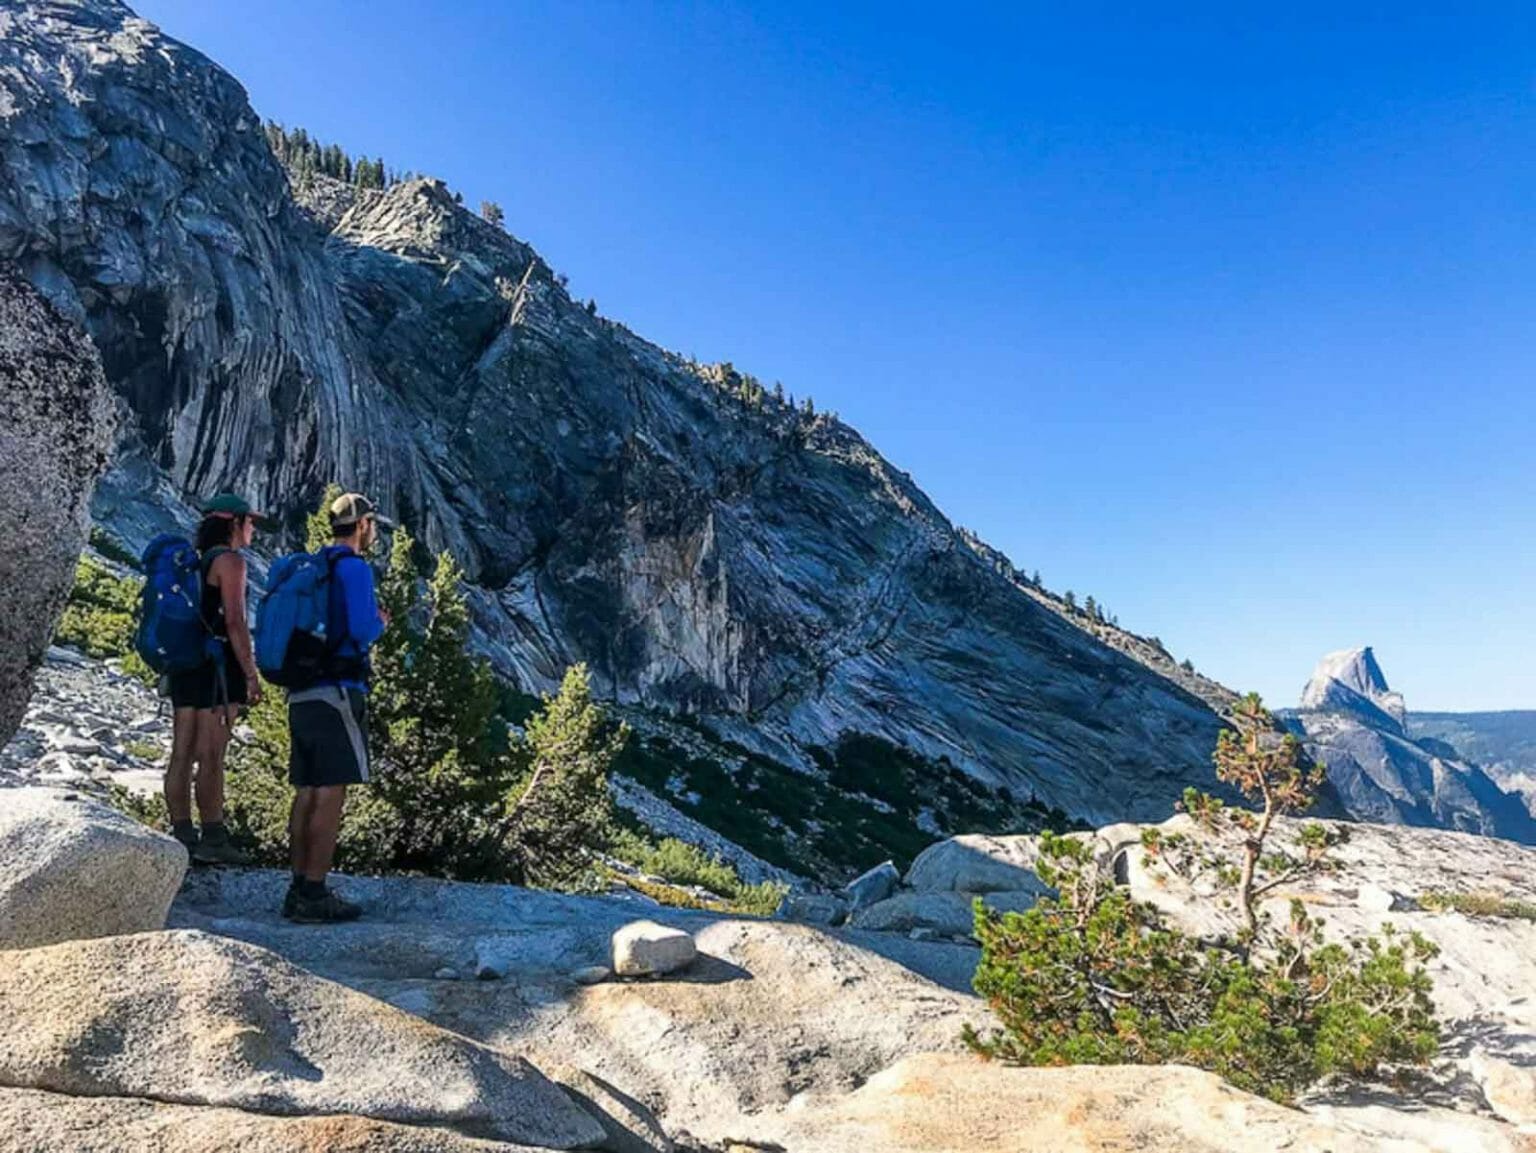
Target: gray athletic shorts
(329, 727)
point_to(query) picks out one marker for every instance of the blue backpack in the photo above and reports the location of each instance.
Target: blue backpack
(172, 636)
(293, 641)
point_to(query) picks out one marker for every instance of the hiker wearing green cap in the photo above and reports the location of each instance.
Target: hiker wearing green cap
(205, 700)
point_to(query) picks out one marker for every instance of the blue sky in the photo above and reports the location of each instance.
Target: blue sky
(1224, 316)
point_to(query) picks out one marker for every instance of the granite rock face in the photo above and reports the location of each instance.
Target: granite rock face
(705, 548)
(1351, 721)
(1351, 680)
(57, 424)
(73, 868)
(835, 1039)
(200, 1020)
(35, 1122)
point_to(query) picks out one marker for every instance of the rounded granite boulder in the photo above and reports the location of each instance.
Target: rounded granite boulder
(72, 868)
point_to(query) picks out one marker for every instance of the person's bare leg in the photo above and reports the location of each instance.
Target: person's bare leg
(213, 737)
(298, 828)
(185, 734)
(323, 826)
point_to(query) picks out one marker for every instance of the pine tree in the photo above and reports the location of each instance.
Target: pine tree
(492, 213)
(1091, 607)
(563, 812)
(1070, 599)
(1265, 767)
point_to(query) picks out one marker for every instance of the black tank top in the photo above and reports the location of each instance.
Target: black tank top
(213, 599)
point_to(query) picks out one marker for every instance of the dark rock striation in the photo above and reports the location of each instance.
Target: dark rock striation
(706, 548)
(56, 428)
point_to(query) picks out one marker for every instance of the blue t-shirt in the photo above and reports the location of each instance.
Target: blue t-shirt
(355, 619)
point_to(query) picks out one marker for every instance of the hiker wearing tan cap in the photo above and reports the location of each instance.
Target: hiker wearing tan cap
(328, 718)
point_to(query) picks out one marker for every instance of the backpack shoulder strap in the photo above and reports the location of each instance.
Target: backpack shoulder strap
(205, 563)
(333, 559)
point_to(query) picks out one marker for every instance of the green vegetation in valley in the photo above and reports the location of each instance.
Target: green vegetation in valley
(1092, 976)
(679, 863)
(1480, 905)
(865, 805)
(99, 617)
(113, 549)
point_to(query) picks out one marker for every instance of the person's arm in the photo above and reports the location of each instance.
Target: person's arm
(228, 573)
(364, 621)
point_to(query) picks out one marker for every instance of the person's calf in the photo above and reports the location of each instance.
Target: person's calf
(322, 828)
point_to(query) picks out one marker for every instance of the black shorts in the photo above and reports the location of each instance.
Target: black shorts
(329, 727)
(199, 688)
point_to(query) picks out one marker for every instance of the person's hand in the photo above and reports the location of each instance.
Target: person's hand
(253, 692)
(384, 616)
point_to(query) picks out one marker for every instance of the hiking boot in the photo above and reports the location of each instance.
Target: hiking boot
(186, 833)
(290, 902)
(326, 909)
(215, 848)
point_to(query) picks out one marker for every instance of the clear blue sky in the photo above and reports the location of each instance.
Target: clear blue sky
(1221, 313)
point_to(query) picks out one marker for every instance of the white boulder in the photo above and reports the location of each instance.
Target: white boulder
(875, 885)
(976, 863)
(813, 908)
(72, 868)
(645, 949)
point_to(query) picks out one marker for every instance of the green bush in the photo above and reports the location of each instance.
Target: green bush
(690, 865)
(1480, 905)
(112, 548)
(1091, 976)
(98, 617)
(680, 863)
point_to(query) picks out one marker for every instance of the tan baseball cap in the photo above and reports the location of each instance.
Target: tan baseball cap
(349, 508)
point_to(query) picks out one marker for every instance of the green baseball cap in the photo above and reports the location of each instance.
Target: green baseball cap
(233, 505)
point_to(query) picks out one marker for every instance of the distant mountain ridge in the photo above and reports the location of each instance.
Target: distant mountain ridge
(1351, 680)
(1351, 720)
(1503, 743)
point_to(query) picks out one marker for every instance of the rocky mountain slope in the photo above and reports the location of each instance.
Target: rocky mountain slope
(1503, 743)
(707, 548)
(1355, 724)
